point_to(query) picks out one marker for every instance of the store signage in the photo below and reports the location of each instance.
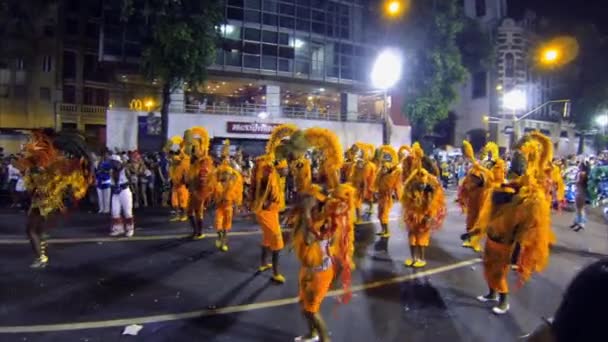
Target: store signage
(250, 127)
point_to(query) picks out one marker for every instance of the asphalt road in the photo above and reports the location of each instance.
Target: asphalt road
(180, 290)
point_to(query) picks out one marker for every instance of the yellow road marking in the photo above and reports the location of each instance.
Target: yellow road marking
(134, 238)
(225, 310)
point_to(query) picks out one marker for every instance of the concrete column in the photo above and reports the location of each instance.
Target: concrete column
(273, 100)
(349, 106)
(178, 100)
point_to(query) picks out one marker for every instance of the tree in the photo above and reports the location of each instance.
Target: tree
(434, 60)
(179, 42)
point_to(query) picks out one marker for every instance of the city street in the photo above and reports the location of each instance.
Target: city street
(181, 290)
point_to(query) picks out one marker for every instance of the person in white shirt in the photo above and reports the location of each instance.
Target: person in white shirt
(122, 201)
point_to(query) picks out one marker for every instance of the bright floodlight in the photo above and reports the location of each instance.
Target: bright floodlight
(602, 120)
(550, 55)
(387, 69)
(515, 100)
(263, 115)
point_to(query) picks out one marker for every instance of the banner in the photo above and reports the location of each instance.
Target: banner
(250, 127)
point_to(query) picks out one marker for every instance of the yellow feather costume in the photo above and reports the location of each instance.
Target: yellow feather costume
(227, 191)
(517, 212)
(50, 175)
(475, 187)
(324, 243)
(388, 182)
(363, 173)
(179, 163)
(423, 201)
(199, 174)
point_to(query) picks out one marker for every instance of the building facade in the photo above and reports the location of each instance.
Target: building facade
(478, 95)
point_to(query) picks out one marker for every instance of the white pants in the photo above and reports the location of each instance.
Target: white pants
(103, 199)
(122, 203)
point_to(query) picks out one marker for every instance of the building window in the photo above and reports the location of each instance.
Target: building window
(20, 91)
(480, 8)
(45, 94)
(71, 27)
(69, 94)
(47, 64)
(479, 85)
(19, 64)
(69, 64)
(509, 65)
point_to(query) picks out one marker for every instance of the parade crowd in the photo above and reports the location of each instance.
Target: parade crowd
(307, 182)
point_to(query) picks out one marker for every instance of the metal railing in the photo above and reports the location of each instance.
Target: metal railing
(293, 112)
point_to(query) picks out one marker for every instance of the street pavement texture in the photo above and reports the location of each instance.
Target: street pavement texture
(182, 290)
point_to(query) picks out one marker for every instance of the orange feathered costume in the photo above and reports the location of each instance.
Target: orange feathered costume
(517, 213)
(423, 202)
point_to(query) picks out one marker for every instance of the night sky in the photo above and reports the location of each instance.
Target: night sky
(588, 10)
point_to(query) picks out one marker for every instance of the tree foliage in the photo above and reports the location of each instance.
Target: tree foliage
(434, 60)
(179, 41)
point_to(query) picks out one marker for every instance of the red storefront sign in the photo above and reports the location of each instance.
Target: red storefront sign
(250, 127)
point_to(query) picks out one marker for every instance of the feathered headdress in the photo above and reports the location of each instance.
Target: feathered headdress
(174, 144)
(492, 150)
(327, 142)
(279, 133)
(387, 154)
(367, 150)
(403, 150)
(467, 150)
(546, 155)
(199, 137)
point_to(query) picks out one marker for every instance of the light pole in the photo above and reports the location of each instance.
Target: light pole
(515, 100)
(602, 121)
(386, 72)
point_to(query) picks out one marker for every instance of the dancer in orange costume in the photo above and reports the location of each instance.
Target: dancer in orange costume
(549, 176)
(363, 176)
(424, 208)
(478, 184)
(388, 186)
(516, 214)
(56, 167)
(178, 171)
(198, 177)
(269, 198)
(324, 244)
(227, 193)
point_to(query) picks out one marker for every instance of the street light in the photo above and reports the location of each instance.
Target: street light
(393, 8)
(386, 72)
(550, 55)
(515, 100)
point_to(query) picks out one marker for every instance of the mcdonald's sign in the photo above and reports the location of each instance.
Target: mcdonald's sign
(136, 104)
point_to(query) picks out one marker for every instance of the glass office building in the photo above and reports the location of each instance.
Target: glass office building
(307, 39)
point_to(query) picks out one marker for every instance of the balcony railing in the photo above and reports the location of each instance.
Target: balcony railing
(79, 114)
(292, 112)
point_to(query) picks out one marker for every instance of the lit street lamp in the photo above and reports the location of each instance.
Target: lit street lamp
(550, 56)
(386, 72)
(515, 100)
(602, 121)
(394, 8)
